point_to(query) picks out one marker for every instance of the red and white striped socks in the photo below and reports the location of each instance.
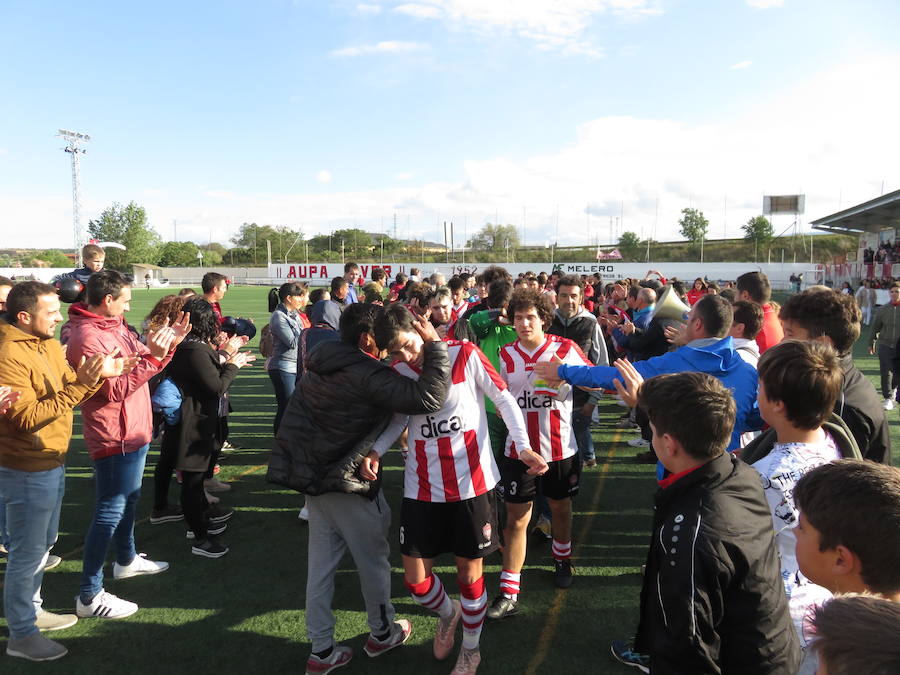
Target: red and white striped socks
(431, 595)
(562, 550)
(509, 584)
(473, 598)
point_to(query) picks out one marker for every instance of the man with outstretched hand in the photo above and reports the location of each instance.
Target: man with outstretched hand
(34, 436)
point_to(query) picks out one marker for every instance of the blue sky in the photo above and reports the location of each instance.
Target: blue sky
(323, 114)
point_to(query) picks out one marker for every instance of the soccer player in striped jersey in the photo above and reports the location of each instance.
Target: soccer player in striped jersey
(548, 417)
(449, 503)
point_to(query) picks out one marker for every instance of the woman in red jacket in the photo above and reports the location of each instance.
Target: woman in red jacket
(697, 292)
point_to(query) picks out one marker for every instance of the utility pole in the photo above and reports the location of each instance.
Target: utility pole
(74, 140)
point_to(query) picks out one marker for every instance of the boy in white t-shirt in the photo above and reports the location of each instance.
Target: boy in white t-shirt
(798, 385)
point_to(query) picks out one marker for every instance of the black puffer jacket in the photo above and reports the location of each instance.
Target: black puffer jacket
(712, 599)
(860, 406)
(340, 406)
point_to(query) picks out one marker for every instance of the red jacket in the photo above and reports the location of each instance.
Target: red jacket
(772, 333)
(117, 419)
(694, 295)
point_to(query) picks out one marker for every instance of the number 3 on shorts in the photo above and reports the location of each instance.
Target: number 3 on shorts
(513, 487)
(401, 535)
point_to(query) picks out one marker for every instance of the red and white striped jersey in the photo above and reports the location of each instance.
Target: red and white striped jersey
(548, 419)
(450, 457)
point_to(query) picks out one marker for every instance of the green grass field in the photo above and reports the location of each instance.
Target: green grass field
(244, 613)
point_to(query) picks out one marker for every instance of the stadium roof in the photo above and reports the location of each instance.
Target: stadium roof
(876, 214)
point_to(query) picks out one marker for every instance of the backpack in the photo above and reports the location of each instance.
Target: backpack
(166, 399)
(266, 342)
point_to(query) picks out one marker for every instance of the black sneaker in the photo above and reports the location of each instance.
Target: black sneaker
(214, 529)
(209, 548)
(170, 514)
(216, 514)
(502, 607)
(623, 653)
(563, 573)
(648, 457)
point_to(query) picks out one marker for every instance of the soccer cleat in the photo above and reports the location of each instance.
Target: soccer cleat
(467, 662)
(563, 573)
(47, 621)
(445, 633)
(623, 653)
(340, 656)
(213, 530)
(35, 647)
(400, 632)
(140, 565)
(105, 606)
(209, 548)
(170, 514)
(502, 607)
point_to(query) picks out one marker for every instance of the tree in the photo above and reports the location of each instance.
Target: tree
(693, 224)
(253, 237)
(356, 243)
(629, 244)
(494, 238)
(126, 225)
(179, 254)
(55, 258)
(758, 229)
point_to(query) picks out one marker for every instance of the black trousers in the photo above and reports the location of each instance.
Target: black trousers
(193, 502)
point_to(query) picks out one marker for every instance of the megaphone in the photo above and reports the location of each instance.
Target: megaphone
(669, 306)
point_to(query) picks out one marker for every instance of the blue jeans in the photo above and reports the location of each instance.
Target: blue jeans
(117, 482)
(284, 383)
(4, 533)
(581, 426)
(32, 500)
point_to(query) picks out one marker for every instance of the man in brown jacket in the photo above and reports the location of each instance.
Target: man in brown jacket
(34, 437)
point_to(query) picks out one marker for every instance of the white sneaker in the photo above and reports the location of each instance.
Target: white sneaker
(105, 606)
(639, 443)
(304, 513)
(888, 404)
(140, 565)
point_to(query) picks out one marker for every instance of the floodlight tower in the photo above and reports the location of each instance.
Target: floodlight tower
(74, 140)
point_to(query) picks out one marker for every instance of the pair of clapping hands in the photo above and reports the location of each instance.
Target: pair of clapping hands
(160, 342)
(229, 350)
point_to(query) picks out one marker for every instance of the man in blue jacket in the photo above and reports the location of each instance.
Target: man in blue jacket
(706, 350)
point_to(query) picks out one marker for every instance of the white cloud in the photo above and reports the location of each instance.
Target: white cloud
(559, 25)
(765, 4)
(385, 47)
(837, 155)
(323, 176)
(368, 9)
(741, 64)
(219, 194)
(419, 11)
(404, 175)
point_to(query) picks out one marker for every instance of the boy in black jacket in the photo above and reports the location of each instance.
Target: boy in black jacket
(712, 599)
